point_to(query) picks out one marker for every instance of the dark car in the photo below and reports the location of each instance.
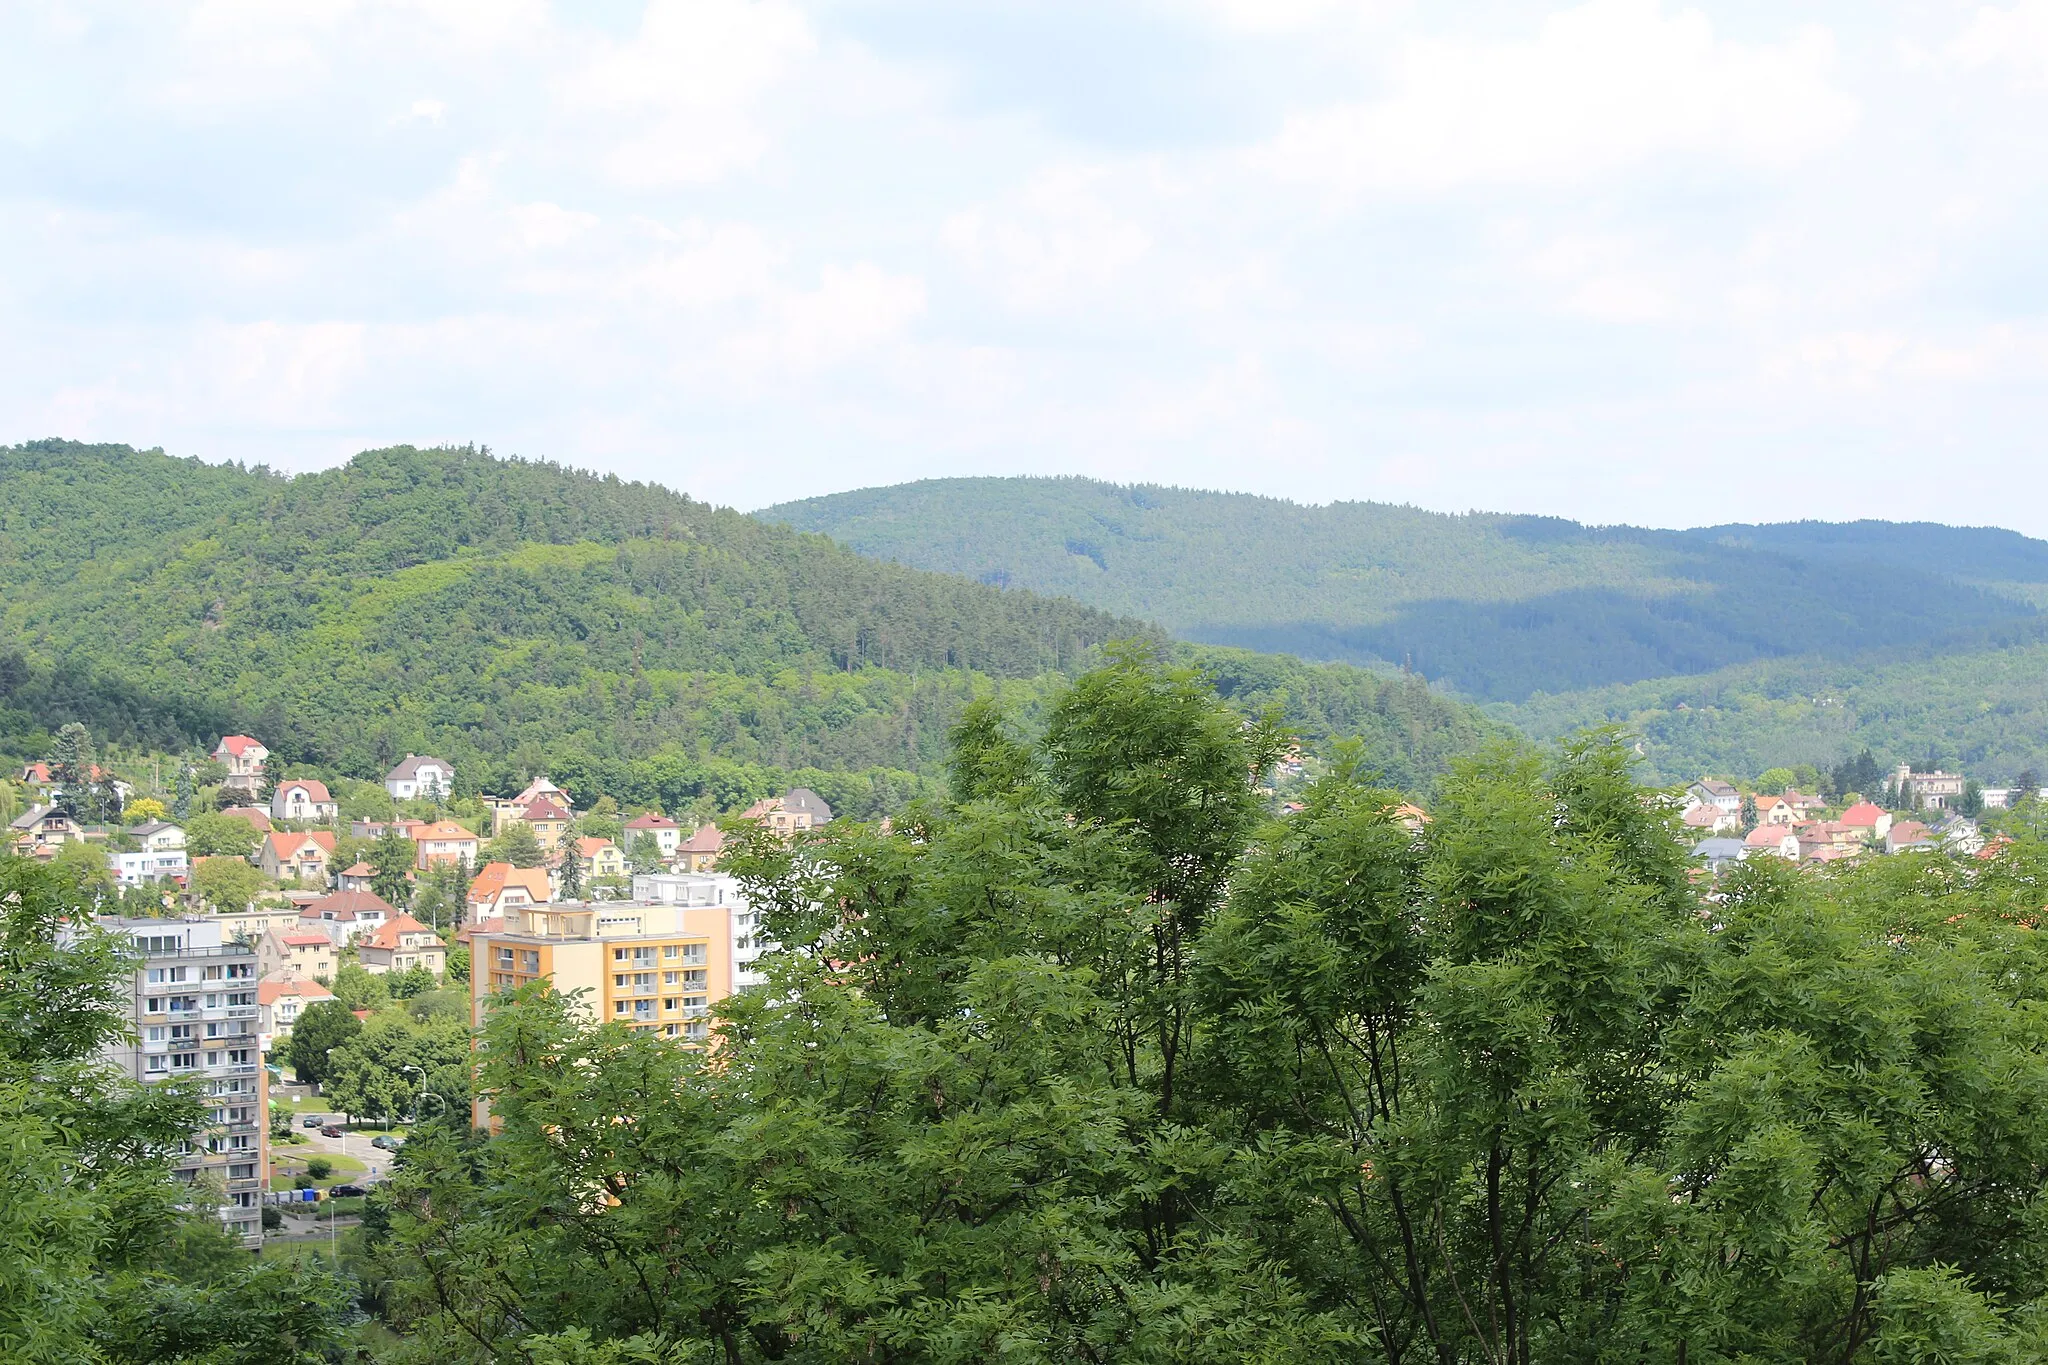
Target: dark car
(330, 1131)
(314, 1122)
(346, 1191)
(387, 1142)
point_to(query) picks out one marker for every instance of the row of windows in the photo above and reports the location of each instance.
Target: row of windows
(230, 971)
(177, 1033)
(690, 954)
(644, 1009)
(688, 980)
(187, 1061)
(190, 1004)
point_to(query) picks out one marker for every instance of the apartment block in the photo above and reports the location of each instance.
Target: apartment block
(713, 890)
(195, 1018)
(656, 968)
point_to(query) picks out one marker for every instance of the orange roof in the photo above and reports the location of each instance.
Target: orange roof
(1863, 813)
(590, 846)
(387, 933)
(1767, 836)
(359, 869)
(493, 925)
(239, 744)
(442, 830)
(290, 845)
(255, 815)
(495, 877)
(317, 790)
(267, 992)
(304, 940)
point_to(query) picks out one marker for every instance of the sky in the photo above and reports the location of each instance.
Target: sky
(1623, 261)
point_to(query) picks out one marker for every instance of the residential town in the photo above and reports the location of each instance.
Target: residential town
(258, 897)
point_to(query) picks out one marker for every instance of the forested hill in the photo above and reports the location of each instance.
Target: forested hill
(515, 616)
(1498, 607)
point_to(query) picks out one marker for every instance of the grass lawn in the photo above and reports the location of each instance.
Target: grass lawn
(285, 1165)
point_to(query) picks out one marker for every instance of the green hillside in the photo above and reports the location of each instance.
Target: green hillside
(1983, 709)
(515, 616)
(1495, 606)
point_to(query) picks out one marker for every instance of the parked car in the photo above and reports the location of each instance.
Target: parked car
(330, 1131)
(314, 1121)
(387, 1142)
(346, 1191)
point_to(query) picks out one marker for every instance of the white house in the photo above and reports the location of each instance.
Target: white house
(1709, 791)
(301, 798)
(420, 776)
(148, 865)
(159, 836)
(714, 889)
(280, 997)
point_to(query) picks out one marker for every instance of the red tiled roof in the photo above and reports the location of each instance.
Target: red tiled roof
(493, 925)
(239, 744)
(347, 905)
(707, 839)
(316, 790)
(257, 817)
(442, 831)
(359, 869)
(652, 820)
(541, 808)
(268, 992)
(304, 940)
(589, 846)
(1863, 814)
(386, 934)
(495, 877)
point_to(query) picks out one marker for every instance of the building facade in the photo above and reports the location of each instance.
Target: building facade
(195, 1017)
(713, 891)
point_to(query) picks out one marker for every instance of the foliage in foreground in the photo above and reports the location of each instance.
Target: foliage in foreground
(104, 1259)
(1090, 1065)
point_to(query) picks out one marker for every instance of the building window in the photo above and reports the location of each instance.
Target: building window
(245, 1171)
(670, 950)
(622, 1006)
(156, 1063)
(697, 1029)
(694, 980)
(693, 954)
(671, 1003)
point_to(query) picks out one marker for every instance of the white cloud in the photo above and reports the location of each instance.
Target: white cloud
(1055, 244)
(683, 98)
(1602, 87)
(2016, 38)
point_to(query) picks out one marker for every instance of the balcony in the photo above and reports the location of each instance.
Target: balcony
(251, 1183)
(241, 1011)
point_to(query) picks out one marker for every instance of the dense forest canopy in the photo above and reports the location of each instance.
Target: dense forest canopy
(517, 616)
(1494, 606)
(1089, 1062)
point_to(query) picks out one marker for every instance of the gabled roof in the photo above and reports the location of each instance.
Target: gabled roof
(154, 827)
(1908, 832)
(441, 831)
(239, 745)
(386, 935)
(347, 905)
(1863, 814)
(589, 846)
(809, 802)
(317, 790)
(652, 820)
(305, 939)
(278, 984)
(495, 877)
(707, 839)
(1714, 786)
(288, 845)
(359, 869)
(1769, 836)
(540, 786)
(1701, 817)
(541, 808)
(494, 925)
(763, 808)
(255, 815)
(409, 769)
(1719, 848)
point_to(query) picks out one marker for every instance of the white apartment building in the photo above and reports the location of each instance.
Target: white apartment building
(148, 865)
(718, 890)
(195, 1017)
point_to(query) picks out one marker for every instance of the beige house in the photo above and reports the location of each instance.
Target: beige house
(243, 758)
(443, 842)
(249, 926)
(297, 857)
(500, 887)
(306, 952)
(600, 858)
(301, 798)
(280, 999)
(346, 916)
(399, 945)
(699, 852)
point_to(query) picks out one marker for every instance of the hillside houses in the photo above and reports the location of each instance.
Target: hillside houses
(421, 777)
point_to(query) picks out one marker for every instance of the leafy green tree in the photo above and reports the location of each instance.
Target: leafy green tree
(87, 861)
(572, 873)
(220, 836)
(391, 860)
(75, 773)
(322, 1026)
(181, 800)
(645, 854)
(1972, 802)
(385, 1069)
(226, 883)
(358, 989)
(142, 810)
(319, 1167)
(1774, 781)
(103, 1256)
(517, 846)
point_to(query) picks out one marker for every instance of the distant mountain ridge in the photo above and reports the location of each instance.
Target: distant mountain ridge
(517, 617)
(1499, 607)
